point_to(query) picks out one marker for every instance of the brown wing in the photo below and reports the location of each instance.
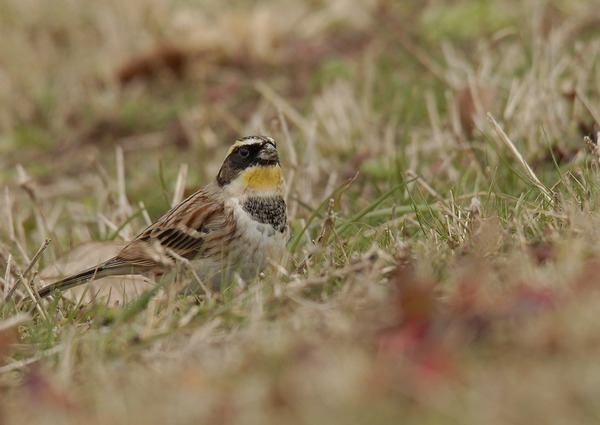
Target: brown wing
(197, 221)
(182, 230)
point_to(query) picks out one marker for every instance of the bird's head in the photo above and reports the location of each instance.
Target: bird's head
(252, 168)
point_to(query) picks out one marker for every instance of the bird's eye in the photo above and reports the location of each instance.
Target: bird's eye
(244, 152)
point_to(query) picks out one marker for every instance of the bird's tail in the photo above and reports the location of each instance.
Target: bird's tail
(108, 268)
(72, 281)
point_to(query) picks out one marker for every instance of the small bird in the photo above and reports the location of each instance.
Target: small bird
(235, 224)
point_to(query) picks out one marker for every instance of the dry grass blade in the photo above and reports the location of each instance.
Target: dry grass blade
(328, 224)
(22, 275)
(515, 152)
(588, 105)
(7, 277)
(180, 185)
(20, 364)
(186, 263)
(288, 110)
(593, 148)
(327, 229)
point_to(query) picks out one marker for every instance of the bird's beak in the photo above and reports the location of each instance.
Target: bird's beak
(268, 153)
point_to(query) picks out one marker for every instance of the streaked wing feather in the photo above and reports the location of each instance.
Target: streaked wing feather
(182, 230)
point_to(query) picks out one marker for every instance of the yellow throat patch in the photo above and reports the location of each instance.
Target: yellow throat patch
(262, 177)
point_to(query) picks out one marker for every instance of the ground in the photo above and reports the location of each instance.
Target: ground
(442, 169)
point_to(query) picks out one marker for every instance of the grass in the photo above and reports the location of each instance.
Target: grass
(443, 260)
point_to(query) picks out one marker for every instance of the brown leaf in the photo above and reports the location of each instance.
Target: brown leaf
(472, 101)
(148, 65)
(542, 252)
(416, 300)
(9, 332)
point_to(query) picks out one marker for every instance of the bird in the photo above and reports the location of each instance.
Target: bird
(236, 224)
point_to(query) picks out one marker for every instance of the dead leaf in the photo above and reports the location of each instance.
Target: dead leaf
(472, 102)
(416, 301)
(172, 59)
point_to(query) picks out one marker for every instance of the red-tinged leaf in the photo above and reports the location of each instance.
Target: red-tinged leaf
(426, 361)
(542, 252)
(421, 348)
(433, 366)
(529, 300)
(41, 391)
(416, 300)
(402, 339)
(416, 307)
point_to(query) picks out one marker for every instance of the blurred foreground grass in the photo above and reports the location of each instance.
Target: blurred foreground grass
(452, 278)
